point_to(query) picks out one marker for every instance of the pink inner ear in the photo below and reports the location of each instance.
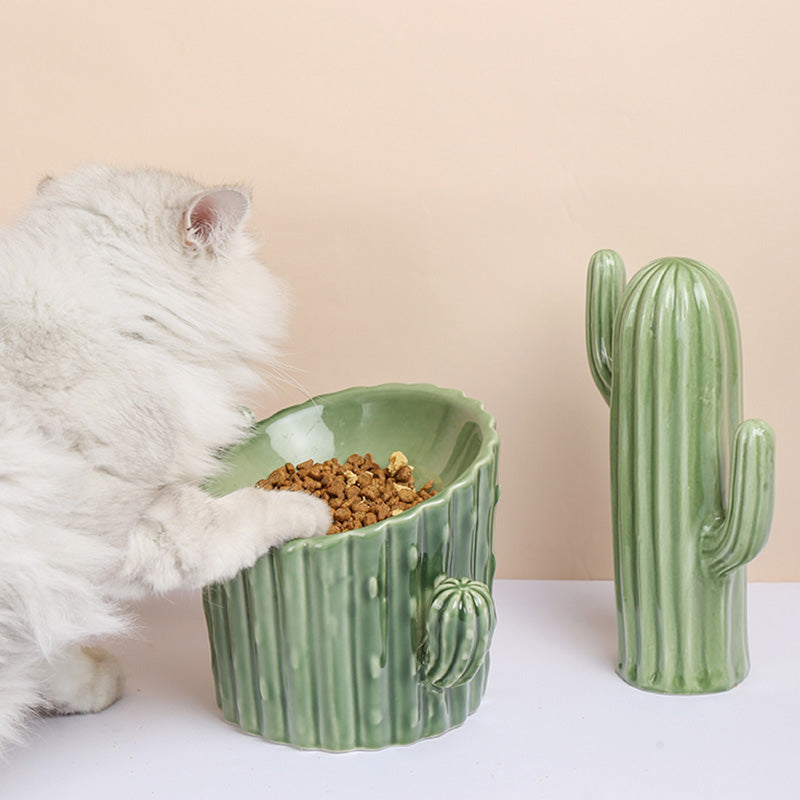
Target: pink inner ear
(215, 215)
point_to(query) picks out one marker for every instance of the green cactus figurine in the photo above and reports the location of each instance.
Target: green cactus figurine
(692, 488)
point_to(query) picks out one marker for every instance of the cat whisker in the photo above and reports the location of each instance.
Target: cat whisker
(281, 372)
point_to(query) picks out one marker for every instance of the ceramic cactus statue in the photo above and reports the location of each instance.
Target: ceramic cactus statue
(691, 485)
(459, 628)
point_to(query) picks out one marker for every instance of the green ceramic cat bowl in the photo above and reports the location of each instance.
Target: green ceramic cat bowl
(378, 636)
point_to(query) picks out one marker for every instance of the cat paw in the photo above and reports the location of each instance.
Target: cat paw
(299, 515)
(89, 679)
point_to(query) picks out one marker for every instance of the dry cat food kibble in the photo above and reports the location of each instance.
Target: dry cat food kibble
(359, 491)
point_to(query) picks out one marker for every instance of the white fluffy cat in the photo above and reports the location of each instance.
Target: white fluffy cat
(133, 313)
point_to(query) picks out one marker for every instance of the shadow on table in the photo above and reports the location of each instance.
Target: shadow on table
(579, 618)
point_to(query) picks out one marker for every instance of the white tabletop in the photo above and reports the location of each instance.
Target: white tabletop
(556, 722)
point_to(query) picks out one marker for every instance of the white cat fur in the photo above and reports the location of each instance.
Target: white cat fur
(133, 315)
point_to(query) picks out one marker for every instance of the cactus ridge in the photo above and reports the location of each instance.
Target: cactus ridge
(677, 452)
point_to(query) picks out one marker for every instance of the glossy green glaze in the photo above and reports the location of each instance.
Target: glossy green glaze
(692, 487)
(324, 643)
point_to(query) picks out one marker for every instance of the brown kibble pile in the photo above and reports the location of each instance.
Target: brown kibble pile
(359, 491)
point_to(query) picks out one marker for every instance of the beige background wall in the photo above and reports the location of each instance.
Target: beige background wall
(444, 170)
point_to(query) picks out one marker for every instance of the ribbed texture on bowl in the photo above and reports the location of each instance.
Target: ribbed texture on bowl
(322, 643)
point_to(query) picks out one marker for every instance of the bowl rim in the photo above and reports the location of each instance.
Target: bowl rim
(485, 455)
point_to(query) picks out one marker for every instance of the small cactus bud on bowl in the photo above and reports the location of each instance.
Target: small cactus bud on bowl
(460, 625)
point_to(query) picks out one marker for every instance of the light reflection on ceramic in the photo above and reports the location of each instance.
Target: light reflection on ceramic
(324, 643)
(692, 486)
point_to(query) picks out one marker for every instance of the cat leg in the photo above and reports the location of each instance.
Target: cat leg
(188, 538)
(85, 680)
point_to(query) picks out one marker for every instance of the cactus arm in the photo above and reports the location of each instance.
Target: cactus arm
(604, 286)
(739, 538)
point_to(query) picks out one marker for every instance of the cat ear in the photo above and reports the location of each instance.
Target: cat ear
(214, 216)
(43, 184)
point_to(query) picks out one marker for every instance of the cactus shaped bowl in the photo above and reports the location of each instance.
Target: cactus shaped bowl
(378, 636)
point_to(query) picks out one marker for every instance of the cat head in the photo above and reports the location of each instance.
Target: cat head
(161, 259)
(151, 206)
